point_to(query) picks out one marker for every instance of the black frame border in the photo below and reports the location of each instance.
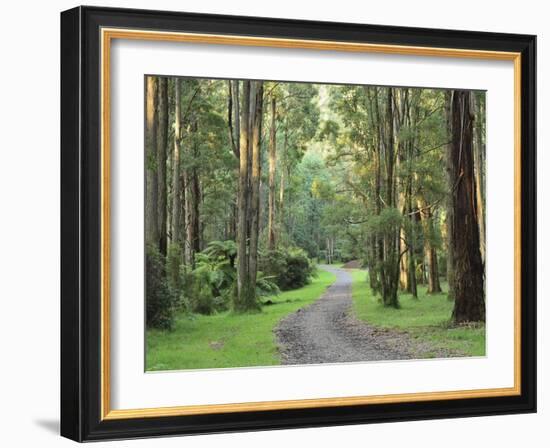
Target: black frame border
(81, 223)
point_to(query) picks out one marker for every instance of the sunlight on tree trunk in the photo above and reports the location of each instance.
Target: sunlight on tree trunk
(272, 163)
(151, 180)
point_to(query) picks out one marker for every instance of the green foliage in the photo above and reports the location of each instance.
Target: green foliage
(265, 286)
(212, 282)
(228, 339)
(290, 267)
(211, 285)
(426, 320)
(388, 219)
(160, 298)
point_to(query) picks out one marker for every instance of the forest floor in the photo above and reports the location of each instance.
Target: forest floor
(423, 322)
(348, 324)
(326, 332)
(227, 339)
(334, 319)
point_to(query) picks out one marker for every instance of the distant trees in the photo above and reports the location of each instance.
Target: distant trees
(397, 143)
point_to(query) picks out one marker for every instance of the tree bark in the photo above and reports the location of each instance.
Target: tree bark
(151, 181)
(478, 170)
(272, 163)
(233, 116)
(162, 144)
(469, 290)
(186, 213)
(192, 199)
(283, 169)
(255, 183)
(245, 298)
(379, 241)
(449, 202)
(176, 182)
(411, 237)
(430, 252)
(234, 121)
(390, 271)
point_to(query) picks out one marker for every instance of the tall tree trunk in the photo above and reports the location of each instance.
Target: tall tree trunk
(434, 285)
(430, 252)
(377, 148)
(186, 213)
(469, 290)
(402, 244)
(403, 263)
(195, 225)
(371, 261)
(176, 181)
(234, 120)
(272, 164)
(411, 237)
(255, 183)
(245, 298)
(162, 144)
(449, 202)
(151, 181)
(478, 170)
(283, 169)
(390, 271)
(192, 199)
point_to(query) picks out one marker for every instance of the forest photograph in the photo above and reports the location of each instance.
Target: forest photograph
(291, 223)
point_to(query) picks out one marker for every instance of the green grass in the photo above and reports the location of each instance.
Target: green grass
(228, 339)
(426, 319)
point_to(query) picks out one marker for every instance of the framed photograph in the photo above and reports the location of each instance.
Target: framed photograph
(272, 223)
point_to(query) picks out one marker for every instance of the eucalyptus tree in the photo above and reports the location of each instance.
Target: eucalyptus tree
(468, 266)
(151, 163)
(251, 110)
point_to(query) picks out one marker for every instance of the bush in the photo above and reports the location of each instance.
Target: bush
(160, 300)
(265, 286)
(290, 268)
(211, 284)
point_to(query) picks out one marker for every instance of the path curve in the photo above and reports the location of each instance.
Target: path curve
(325, 332)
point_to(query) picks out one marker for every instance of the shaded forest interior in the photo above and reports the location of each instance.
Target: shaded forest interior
(250, 184)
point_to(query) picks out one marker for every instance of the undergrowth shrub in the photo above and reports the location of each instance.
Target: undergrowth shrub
(210, 285)
(160, 298)
(290, 268)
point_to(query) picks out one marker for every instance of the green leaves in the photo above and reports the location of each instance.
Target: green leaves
(386, 222)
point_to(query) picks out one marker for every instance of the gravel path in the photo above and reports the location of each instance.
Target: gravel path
(324, 332)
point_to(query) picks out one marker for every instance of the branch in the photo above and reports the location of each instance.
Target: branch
(431, 149)
(234, 146)
(272, 88)
(195, 93)
(349, 221)
(426, 207)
